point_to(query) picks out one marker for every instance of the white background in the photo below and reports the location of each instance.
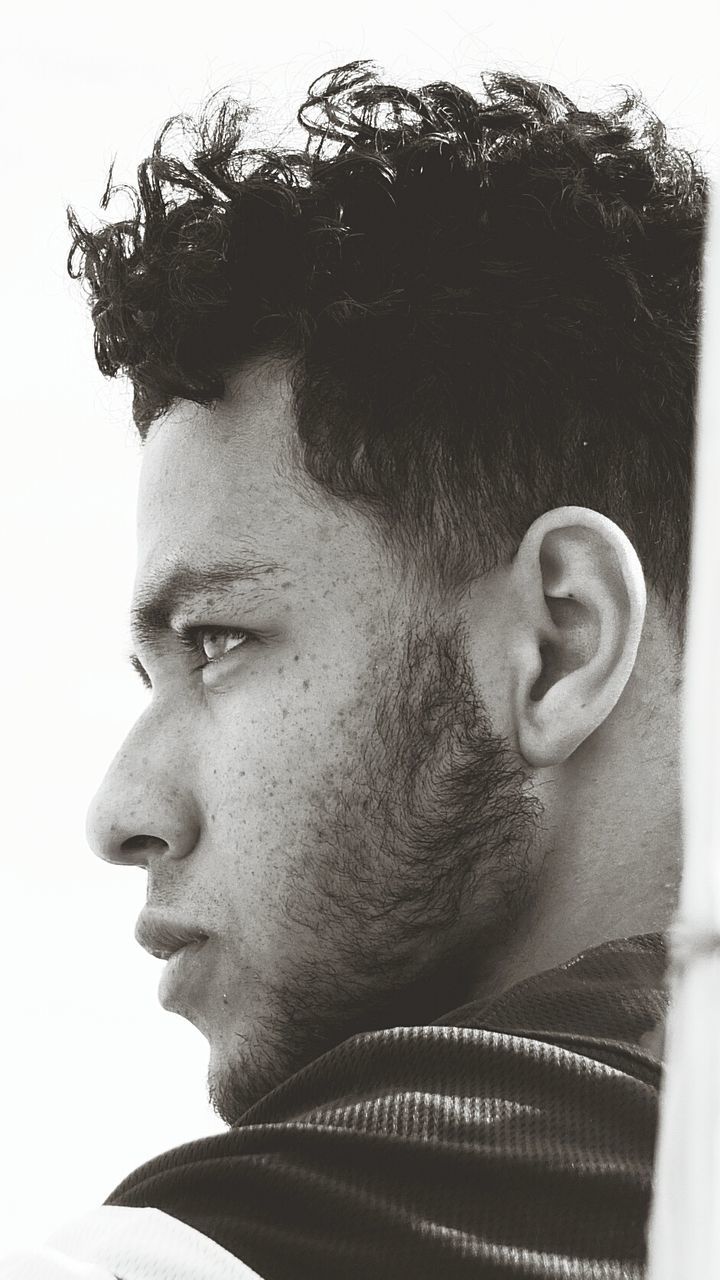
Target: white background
(94, 1076)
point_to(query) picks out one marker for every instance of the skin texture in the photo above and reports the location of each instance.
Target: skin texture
(379, 802)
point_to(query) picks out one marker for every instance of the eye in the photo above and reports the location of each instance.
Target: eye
(215, 642)
(211, 644)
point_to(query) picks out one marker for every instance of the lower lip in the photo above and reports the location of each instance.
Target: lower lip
(179, 972)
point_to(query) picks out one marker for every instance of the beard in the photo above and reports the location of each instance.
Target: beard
(412, 878)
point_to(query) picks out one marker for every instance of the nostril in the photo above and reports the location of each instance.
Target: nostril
(141, 844)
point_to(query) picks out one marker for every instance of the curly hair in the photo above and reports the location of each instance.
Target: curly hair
(488, 305)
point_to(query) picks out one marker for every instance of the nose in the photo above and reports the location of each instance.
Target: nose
(142, 809)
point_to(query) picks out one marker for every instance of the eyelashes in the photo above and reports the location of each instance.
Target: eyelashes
(210, 645)
(202, 641)
(138, 667)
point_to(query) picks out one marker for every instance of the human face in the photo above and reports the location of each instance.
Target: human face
(314, 788)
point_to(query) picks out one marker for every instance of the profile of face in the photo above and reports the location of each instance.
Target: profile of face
(327, 816)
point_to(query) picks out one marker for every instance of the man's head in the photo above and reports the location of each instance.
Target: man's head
(411, 401)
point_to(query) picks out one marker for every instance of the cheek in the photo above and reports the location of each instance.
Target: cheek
(273, 781)
(292, 732)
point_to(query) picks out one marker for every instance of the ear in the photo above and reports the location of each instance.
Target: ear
(579, 601)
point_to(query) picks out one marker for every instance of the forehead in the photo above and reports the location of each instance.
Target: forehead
(212, 473)
(220, 482)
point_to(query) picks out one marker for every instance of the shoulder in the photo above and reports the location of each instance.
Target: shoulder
(526, 1145)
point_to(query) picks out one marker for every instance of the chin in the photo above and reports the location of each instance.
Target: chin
(242, 1069)
(234, 1087)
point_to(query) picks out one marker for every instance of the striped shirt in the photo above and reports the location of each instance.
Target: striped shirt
(510, 1139)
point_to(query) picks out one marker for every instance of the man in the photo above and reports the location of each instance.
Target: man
(417, 412)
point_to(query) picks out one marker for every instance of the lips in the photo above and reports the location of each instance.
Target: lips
(162, 937)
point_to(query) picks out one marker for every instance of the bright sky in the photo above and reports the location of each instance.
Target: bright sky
(95, 1076)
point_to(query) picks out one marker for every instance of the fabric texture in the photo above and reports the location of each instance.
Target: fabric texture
(512, 1138)
(112, 1243)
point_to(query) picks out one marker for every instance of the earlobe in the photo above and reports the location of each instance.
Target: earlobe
(580, 610)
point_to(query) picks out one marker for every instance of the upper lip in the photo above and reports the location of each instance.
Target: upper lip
(162, 937)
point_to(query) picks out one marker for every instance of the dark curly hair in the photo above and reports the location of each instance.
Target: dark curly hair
(489, 305)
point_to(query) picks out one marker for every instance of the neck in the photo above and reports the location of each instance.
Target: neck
(612, 855)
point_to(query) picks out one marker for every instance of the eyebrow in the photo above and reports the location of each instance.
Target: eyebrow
(160, 598)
